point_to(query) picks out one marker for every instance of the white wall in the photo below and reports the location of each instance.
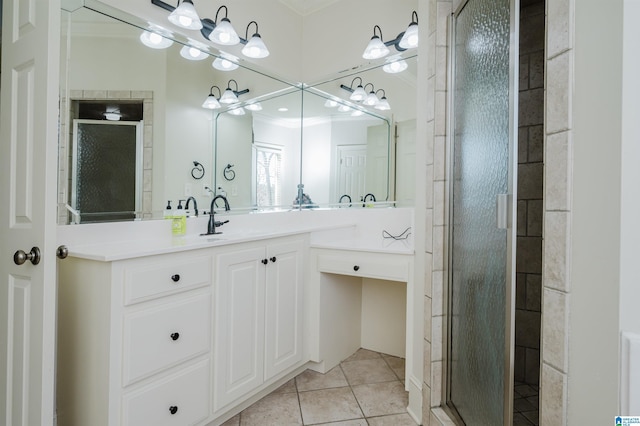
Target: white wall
(595, 219)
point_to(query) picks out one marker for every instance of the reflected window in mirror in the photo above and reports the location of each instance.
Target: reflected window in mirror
(268, 174)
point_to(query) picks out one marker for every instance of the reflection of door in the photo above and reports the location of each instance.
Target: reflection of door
(482, 276)
(107, 169)
(352, 169)
(28, 156)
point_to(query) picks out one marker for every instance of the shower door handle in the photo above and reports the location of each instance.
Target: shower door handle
(502, 211)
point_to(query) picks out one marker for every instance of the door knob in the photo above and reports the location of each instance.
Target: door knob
(62, 252)
(20, 256)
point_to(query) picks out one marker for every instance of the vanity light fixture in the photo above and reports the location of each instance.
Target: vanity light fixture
(344, 108)
(357, 113)
(156, 37)
(212, 102)
(409, 39)
(223, 32)
(219, 31)
(358, 94)
(395, 64)
(231, 96)
(376, 47)
(225, 63)
(330, 103)
(194, 51)
(255, 47)
(371, 98)
(383, 103)
(185, 16)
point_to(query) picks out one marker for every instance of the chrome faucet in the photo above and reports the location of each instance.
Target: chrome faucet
(211, 226)
(195, 205)
(364, 199)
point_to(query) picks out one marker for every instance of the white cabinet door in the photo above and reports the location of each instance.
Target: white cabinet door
(239, 324)
(283, 307)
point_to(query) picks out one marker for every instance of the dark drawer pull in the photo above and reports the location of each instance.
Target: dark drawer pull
(175, 278)
(175, 336)
(264, 261)
(273, 259)
(173, 409)
(356, 267)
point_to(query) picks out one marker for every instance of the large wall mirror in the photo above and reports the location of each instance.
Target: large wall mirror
(132, 122)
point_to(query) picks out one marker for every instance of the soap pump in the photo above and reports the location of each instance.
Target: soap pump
(168, 211)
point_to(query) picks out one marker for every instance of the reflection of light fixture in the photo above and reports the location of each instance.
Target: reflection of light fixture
(358, 94)
(212, 102)
(237, 111)
(383, 103)
(344, 108)
(155, 39)
(185, 16)
(410, 37)
(255, 106)
(112, 113)
(357, 113)
(194, 51)
(283, 109)
(371, 98)
(224, 64)
(330, 103)
(395, 65)
(231, 96)
(223, 33)
(376, 48)
(255, 47)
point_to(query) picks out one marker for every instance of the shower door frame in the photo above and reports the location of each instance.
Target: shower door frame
(514, 31)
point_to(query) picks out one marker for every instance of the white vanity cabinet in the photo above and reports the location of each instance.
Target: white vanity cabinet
(134, 340)
(258, 316)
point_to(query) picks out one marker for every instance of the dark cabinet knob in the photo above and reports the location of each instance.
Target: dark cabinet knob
(273, 259)
(356, 267)
(173, 409)
(264, 261)
(175, 336)
(175, 278)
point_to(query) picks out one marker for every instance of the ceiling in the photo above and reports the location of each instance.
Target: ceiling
(306, 7)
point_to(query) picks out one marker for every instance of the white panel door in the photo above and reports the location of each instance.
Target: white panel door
(283, 307)
(28, 163)
(239, 324)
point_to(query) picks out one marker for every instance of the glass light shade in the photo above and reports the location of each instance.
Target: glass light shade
(357, 113)
(254, 106)
(237, 111)
(371, 99)
(359, 94)
(375, 49)
(185, 16)
(112, 116)
(383, 105)
(193, 54)
(155, 40)
(395, 66)
(228, 97)
(211, 103)
(224, 34)
(255, 48)
(330, 103)
(223, 64)
(410, 38)
(344, 108)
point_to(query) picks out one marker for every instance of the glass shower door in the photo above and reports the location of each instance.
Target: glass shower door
(482, 276)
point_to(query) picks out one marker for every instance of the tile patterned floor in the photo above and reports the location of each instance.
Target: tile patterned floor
(366, 389)
(525, 405)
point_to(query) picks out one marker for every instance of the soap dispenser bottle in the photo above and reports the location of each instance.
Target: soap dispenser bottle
(179, 223)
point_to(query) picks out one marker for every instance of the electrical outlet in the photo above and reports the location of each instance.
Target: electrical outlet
(188, 190)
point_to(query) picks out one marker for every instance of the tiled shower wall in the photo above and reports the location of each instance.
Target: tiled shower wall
(530, 191)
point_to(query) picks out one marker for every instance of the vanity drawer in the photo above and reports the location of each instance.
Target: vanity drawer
(178, 400)
(365, 265)
(162, 337)
(164, 276)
